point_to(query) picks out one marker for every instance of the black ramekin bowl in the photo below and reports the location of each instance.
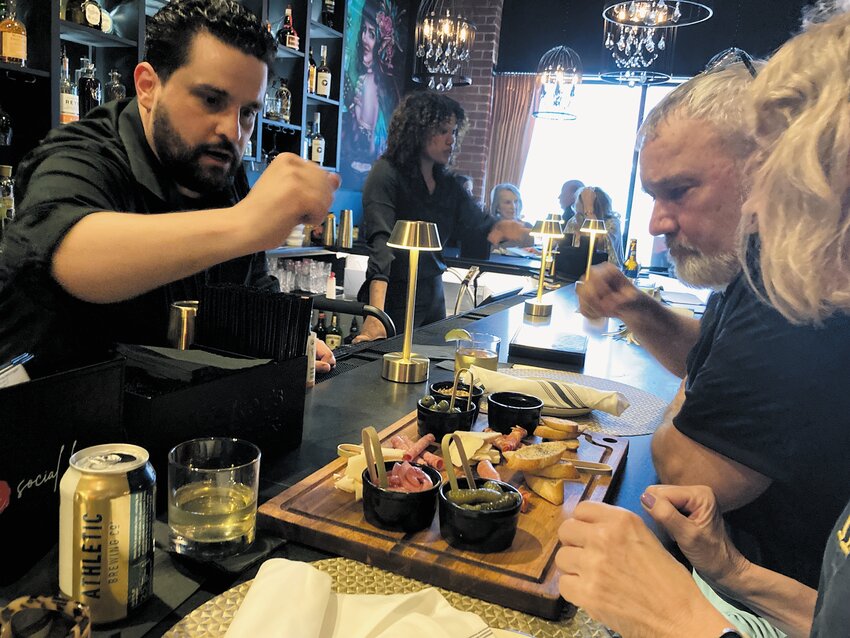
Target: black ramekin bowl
(443, 390)
(478, 530)
(507, 409)
(400, 511)
(430, 421)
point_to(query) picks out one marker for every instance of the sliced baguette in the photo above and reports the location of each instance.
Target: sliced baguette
(533, 457)
(552, 489)
(571, 446)
(545, 432)
(563, 469)
(571, 428)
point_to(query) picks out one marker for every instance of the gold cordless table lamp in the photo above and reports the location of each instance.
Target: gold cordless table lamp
(593, 227)
(406, 366)
(549, 230)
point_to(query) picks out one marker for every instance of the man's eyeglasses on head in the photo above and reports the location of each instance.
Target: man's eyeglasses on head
(727, 58)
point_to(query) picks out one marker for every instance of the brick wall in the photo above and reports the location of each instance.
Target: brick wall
(477, 98)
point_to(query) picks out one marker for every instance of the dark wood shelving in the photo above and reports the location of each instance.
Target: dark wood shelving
(23, 70)
(73, 32)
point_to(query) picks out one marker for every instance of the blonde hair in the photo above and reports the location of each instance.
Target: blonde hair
(801, 119)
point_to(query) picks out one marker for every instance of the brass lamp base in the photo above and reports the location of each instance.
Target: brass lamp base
(538, 308)
(397, 368)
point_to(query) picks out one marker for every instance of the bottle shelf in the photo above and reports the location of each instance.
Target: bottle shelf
(286, 52)
(73, 32)
(23, 70)
(282, 125)
(312, 98)
(319, 30)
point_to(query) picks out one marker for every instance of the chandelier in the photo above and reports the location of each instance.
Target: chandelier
(638, 32)
(558, 74)
(444, 39)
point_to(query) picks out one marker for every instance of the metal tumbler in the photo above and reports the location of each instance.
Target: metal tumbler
(346, 228)
(181, 324)
(329, 233)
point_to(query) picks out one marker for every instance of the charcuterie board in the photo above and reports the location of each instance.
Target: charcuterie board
(523, 577)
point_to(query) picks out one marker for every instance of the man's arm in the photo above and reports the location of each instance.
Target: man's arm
(372, 328)
(667, 335)
(112, 256)
(680, 460)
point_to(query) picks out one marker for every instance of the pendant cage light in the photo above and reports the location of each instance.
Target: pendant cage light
(558, 73)
(444, 40)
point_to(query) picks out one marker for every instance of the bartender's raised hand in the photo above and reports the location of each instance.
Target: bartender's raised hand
(615, 568)
(290, 191)
(607, 293)
(371, 330)
(325, 360)
(691, 517)
(507, 230)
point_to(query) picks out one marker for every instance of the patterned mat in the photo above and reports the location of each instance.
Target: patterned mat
(643, 416)
(212, 619)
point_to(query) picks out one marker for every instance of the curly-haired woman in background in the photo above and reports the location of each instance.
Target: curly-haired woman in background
(410, 181)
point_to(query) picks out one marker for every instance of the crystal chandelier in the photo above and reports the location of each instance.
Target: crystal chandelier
(638, 32)
(558, 74)
(444, 39)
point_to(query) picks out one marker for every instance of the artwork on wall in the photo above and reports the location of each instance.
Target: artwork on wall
(376, 44)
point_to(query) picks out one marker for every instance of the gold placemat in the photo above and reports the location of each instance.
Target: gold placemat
(644, 414)
(212, 619)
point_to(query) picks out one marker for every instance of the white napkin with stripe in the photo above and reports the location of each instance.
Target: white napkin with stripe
(290, 598)
(559, 397)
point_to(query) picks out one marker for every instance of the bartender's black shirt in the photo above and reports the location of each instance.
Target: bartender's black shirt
(101, 163)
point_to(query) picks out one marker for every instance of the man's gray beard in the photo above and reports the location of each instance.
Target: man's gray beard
(706, 271)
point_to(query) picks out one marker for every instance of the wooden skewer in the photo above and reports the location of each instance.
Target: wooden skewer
(374, 457)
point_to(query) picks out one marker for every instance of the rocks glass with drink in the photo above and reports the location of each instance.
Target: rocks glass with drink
(212, 497)
(480, 349)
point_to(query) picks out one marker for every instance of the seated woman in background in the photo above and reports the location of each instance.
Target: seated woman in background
(506, 203)
(795, 235)
(593, 202)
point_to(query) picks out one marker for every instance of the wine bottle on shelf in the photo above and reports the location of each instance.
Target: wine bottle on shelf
(85, 12)
(285, 96)
(317, 142)
(323, 75)
(311, 73)
(631, 267)
(353, 331)
(328, 10)
(88, 89)
(115, 90)
(321, 329)
(308, 136)
(69, 103)
(7, 196)
(13, 37)
(334, 337)
(287, 36)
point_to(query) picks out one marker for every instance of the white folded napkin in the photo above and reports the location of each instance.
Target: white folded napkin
(559, 398)
(290, 599)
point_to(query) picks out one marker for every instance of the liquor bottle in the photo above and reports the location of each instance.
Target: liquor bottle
(323, 75)
(13, 37)
(271, 103)
(317, 142)
(308, 136)
(88, 89)
(287, 36)
(321, 329)
(5, 128)
(328, 10)
(115, 90)
(353, 331)
(69, 103)
(7, 194)
(285, 96)
(311, 74)
(85, 12)
(631, 267)
(334, 337)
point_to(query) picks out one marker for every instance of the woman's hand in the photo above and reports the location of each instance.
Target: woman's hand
(507, 230)
(371, 330)
(325, 360)
(691, 516)
(616, 569)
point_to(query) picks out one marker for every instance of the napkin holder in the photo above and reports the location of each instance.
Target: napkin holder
(43, 422)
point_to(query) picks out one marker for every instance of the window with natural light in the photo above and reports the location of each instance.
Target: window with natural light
(597, 148)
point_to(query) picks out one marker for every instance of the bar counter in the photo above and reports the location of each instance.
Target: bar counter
(355, 396)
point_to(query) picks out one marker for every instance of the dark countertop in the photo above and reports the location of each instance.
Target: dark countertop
(337, 409)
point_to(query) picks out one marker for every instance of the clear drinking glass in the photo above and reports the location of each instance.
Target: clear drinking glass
(212, 496)
(482, 350)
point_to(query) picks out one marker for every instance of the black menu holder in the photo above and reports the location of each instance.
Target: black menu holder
(547, 343)
(43, 422)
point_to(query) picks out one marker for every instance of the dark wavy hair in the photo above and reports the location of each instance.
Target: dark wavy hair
(417, 118)
(170, 32)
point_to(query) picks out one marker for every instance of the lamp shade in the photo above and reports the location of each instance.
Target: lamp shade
(593, 226)
(548, 228)
(413, 235)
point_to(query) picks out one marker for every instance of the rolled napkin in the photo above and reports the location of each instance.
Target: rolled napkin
(288, 598)
(559, 398)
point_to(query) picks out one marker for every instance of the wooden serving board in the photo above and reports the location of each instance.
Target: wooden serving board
(523, 577)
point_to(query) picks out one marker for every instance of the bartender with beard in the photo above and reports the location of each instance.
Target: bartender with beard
(410, 181)
(144, 201)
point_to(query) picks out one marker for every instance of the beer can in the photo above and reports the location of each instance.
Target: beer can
(106, 515)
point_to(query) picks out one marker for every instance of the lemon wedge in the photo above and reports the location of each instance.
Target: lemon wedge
(456, 334)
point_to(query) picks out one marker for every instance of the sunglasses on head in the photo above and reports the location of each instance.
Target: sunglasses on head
(727, 58)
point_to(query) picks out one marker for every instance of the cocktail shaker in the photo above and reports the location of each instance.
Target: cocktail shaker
(329, 233)
(181, 324)
(346, 228)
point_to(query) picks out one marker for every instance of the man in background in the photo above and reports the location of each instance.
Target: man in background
(567, 198)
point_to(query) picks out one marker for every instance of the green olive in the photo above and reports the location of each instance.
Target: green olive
(442, 406)
(428, 401)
